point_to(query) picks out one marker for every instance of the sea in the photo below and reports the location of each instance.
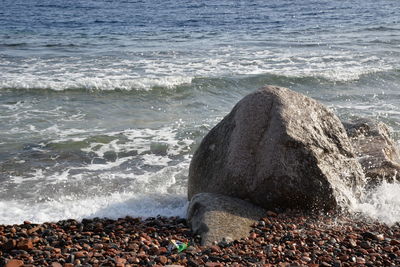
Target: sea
(103, 102)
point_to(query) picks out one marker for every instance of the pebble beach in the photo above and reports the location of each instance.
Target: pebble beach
(278, 239)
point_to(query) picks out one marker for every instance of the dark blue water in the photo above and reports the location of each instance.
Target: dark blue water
(102, 103)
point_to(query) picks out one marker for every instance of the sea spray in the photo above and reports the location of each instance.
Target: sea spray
(381, 203)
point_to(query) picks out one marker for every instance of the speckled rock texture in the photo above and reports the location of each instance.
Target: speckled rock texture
(278, 149)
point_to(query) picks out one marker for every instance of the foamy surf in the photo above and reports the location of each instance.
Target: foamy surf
(381, 203)
(104, 74)
(112, 206)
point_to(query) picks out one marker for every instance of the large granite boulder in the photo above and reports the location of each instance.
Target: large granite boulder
(278, 149)
(376, 150)
(218, 218)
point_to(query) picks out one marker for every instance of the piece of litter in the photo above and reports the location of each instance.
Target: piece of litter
(177, 245)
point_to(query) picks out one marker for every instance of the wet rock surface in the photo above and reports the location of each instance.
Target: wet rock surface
(219, 218)
(377, 152)
(285, 239)
(278, 149)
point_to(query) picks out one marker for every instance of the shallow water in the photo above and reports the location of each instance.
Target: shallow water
(102, 103)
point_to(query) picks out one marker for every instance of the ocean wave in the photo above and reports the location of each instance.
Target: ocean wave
(97, 84)
(186, 82)
(171, 69)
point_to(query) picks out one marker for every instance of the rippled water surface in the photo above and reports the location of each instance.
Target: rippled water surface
(102, 103)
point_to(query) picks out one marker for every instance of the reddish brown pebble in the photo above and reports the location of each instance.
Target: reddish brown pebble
(55, 264)
(162, 259)
(80, 254)
(215, 249)
(120, 261)
(68, 265)
(25, 244)
(253, 236)
(214, 264)
(32, 230)
(360, 260)
(163, 250)
(14, 263)
(363, 251)
(351, 236)
(344, 257)
(98, 246)
(266, 220)
(375, 254)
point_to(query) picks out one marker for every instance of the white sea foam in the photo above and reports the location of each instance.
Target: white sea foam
(381, 203)
(149, 182)
(93, 83)
(143, 141)
(112, 206)
(116, 195)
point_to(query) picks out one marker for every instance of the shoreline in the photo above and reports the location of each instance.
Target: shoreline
(284, 239)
